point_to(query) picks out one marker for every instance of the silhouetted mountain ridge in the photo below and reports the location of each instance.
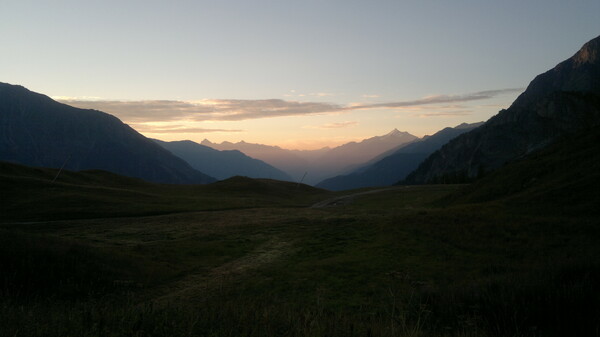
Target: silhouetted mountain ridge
(562, 101)
(222, 164)
(38, 131)
(286, 160)
(394, 166)
(321, 163)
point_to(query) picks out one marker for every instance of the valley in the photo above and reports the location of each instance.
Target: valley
(261, 260)
(483, 229)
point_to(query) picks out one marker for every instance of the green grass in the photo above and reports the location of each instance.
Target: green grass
(250, 258)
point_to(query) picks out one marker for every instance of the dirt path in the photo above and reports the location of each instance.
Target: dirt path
(349, 198)
(198, 286)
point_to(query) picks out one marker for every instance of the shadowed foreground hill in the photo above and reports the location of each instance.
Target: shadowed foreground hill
(38, 131)
(515, 254)
(560, 102)
(562, 178)
(29, 193)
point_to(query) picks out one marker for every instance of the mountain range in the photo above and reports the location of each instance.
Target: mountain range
(556, 104)
(288, 161)
(38, 131)
(222, 164)
(395, 165)
(316, 165)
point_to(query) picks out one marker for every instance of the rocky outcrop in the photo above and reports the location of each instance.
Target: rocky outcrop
(561, 102)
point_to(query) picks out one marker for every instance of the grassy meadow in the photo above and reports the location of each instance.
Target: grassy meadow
(93, 254)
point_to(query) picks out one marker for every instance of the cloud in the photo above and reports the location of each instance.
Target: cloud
(444, 114)
(140, 111)
(293, 93)
(321, 94)
(205, 110)
(338, 125)
(437, 99)
(69, 98)
(178, 129)
(237, 110)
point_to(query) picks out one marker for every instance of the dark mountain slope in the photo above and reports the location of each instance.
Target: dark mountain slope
(222, 164)
(563, 177)
(559, 102)
(397, 165)
(38, 131)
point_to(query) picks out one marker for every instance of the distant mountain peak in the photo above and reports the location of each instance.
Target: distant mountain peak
(393, 165)
(396, 132)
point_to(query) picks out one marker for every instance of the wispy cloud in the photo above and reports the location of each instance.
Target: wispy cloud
(70, 98)
(444, 114)
(321, 94)
(179, 129)
(438, 99)
(294, 93)
(205, 110)
(237, 110)
(339, 125)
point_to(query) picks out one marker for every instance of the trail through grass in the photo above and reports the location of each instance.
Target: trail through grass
(393, 262)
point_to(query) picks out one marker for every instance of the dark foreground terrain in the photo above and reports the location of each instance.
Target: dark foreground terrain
(516, 253)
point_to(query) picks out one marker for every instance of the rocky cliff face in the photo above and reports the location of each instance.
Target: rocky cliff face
(558, 103)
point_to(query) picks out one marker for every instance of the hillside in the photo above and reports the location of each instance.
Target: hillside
(31, 193)
(515, 254)
(38, 131)
(222, 164)
(562, 101)
(563, 177)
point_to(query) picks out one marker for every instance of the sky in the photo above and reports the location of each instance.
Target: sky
(298, 74)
